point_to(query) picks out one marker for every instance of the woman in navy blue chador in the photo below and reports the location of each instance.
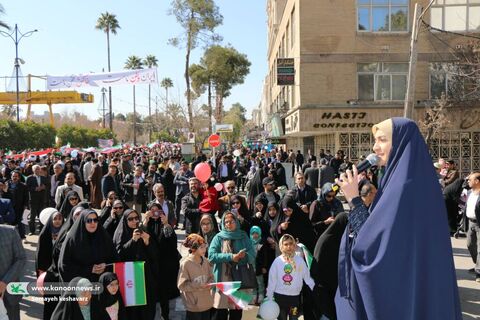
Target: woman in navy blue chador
(395, 258)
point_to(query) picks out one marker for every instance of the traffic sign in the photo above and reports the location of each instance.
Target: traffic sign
(214, 140)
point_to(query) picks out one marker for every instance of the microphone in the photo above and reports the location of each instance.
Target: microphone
(371, 160)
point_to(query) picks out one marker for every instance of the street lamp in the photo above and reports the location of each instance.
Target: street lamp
(16, 40)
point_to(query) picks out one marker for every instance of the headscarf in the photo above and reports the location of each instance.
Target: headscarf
(256, 187)
(406, 230)
(243, 211)
(236, 234)
(66, 207)
(83, 249)
(213, 231)
(45, 244)
(334, 206)
(299, 227)
(69, 308)
(256, 229)
(62, 234)
(105, 299)
(124, 233)
(155, 226)
(262, 200)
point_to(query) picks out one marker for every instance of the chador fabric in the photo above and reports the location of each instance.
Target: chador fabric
(110, 303)
(325, 270)
(69, 307)
(324, 208)
(83, 249)
(299, 225)
(66, 206)
(403, 247)
(45, 244)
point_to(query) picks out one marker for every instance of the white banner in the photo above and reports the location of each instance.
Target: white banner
(132, 77)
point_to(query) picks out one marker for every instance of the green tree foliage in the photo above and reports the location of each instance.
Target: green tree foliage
(3, 25)
(226, 67)
(108, 23)
(120, 117)
(23, 135)
(235, 116)
(32, 135)
(164, 136)
(82, 137)
(198, 19)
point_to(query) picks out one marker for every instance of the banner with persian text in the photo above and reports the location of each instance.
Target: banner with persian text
(131, 77)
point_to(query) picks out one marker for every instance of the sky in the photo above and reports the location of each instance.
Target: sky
(67, 43)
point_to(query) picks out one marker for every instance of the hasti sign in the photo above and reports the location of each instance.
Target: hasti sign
(338, 116)
(306, 121)
(285, 71)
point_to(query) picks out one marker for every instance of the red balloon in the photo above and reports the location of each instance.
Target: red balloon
(203, 171)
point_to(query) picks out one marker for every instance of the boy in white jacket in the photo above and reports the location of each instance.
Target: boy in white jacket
(285, 279)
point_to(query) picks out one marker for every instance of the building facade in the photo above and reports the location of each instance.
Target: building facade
(338, 67)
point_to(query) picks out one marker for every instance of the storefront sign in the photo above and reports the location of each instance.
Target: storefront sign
(285, 71)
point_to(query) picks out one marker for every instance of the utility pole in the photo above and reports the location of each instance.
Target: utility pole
(412, 66)
(104, 98)
(16, 40)
(156, 110)
(134, 119)
(149, 114)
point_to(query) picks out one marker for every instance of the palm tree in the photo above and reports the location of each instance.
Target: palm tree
(108, 23)
(166, 83)
(134, 63)
(150, 61)
(3, 25)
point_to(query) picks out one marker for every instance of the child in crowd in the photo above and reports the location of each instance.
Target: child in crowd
(256, 238)
(285, 279)
(193, 279)
(209, 203)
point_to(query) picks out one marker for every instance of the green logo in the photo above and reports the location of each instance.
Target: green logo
(17, 288)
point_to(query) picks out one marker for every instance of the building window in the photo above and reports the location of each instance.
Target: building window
(456, 15)
(382, 81)
(382, 15)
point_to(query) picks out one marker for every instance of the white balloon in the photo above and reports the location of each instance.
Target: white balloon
(269, 310)
(218, 186)
(74, 153)
(45, 214)
(237, 153)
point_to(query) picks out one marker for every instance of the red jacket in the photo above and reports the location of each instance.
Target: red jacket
(209, 203)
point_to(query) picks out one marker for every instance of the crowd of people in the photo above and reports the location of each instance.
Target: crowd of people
(244, 222)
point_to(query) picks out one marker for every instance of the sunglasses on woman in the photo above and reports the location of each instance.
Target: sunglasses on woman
(74, 199)
(236, 202)
(92, 220)
(133, 219)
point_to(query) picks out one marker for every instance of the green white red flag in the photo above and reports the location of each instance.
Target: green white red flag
(307, 255)
(231, 290)
(131, 278)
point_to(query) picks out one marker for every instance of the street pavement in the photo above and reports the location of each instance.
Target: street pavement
(468, 288)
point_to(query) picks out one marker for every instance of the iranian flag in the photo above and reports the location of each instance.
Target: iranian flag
(131, 278)
(307, 255)
(231, 290)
